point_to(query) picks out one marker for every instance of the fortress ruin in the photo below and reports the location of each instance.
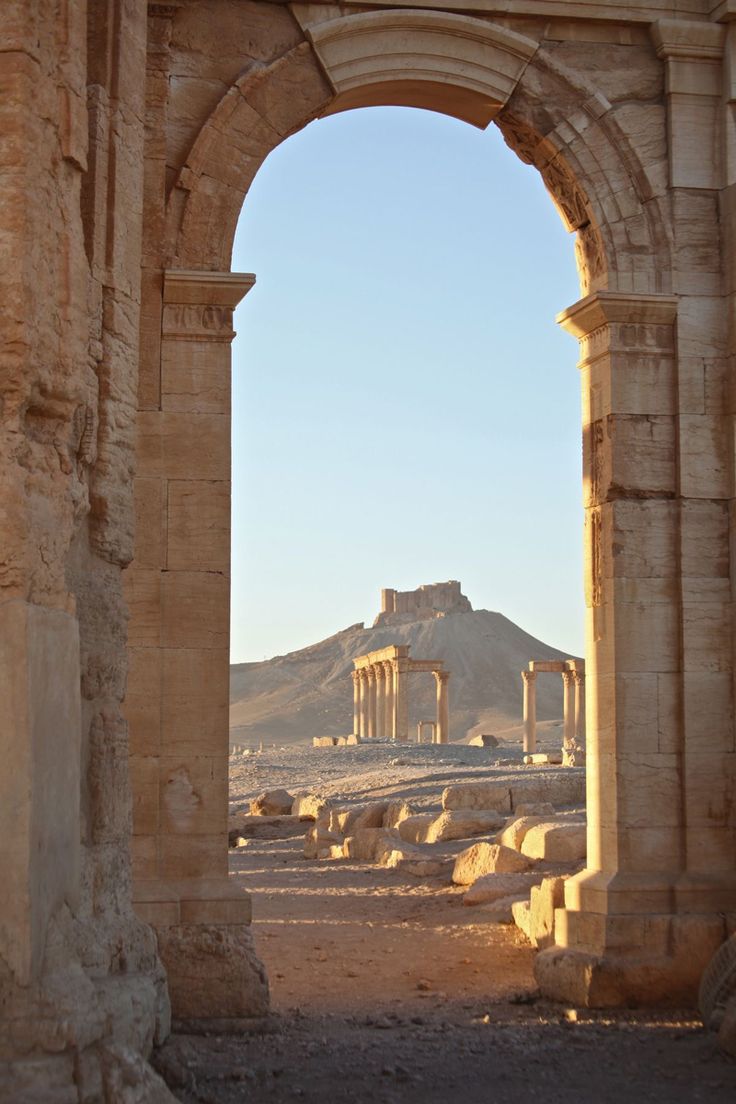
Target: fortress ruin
(132, 133)
(422, 604)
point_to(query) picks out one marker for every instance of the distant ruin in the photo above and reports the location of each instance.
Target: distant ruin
(422, 604)
(381, 694)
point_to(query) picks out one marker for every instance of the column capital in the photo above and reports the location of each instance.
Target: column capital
(355, 676)
(568, 677)
(692, 39)
(220, 289)
(605, 307)
(441, 676)
(198, 306)
(578, 677)
(378, 670)
(529, 676)
(370, 674)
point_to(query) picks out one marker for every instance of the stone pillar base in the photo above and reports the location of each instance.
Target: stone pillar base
(638, 961)
(206, 946)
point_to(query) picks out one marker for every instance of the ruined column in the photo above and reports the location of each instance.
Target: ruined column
(401, 698)
(356, 702)
(579, 680)
(530, 711)
(380, 700)
(371, 676)
(442, 678)
(363, 673)
(388, 683)
(568, 709)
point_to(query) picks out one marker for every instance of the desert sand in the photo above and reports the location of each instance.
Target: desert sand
(386, 990)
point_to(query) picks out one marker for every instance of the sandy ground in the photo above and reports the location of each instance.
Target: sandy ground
(386, 989)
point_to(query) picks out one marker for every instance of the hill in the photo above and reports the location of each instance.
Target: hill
(309, 692)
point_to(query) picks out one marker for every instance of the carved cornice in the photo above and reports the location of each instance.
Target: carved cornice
(605, 307)
(217, 289)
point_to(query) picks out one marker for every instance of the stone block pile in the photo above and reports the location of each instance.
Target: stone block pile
(515, 869)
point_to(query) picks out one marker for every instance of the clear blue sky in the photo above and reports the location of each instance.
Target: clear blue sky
(405, 409)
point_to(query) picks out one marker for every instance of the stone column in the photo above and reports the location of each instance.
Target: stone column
(356, 702)
(388, 682)
(579, 680)
(177, 705)
(442, 678)
(371, 675)
(363, 675)
(380, 699)
(641, 921)
(401, 699)
(568, 709)
(530, 711)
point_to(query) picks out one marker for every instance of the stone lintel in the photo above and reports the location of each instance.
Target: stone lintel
(393, 651)
(426, 664)
(219, 289)
(605, 307)
(555, 665)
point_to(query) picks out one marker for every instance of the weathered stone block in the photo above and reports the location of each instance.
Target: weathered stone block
(487, 858)
(477, 795)
(555, 841)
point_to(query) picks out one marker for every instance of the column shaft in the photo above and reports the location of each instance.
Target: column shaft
(388, 684)
(401, 699)
(568, 709)
(380, 700)
(356, 703)
(371, 703)
(530, 712)
(442, 679)
(579, 707)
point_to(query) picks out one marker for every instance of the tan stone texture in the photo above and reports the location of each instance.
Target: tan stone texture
(130, 143)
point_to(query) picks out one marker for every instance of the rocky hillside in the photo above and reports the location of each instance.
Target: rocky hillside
(308, 693)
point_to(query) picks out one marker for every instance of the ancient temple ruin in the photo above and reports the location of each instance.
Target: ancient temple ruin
(381, 694)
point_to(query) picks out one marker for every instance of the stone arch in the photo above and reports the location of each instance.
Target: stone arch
(606, 164)
(469, 68)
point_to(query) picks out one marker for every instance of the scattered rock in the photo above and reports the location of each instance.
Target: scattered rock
(368, 844)
(559, 786)
(414, 828)
(499, 911)
(308, 806)
(515, 831)
(531, 808)
(555, 841)
(396, 812)
(477, 795)
(370, 816)
(543, 901)
(522, 916)
(487, 858)
(324, 741)
(272, 803)
(461, 823)
(543, 758)
(492, 887)
(485, 739)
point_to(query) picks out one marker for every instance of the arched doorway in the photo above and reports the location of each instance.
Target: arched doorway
(660, 856)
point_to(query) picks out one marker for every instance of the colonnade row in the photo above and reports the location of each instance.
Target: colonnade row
(573, 709)
(381, 694)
